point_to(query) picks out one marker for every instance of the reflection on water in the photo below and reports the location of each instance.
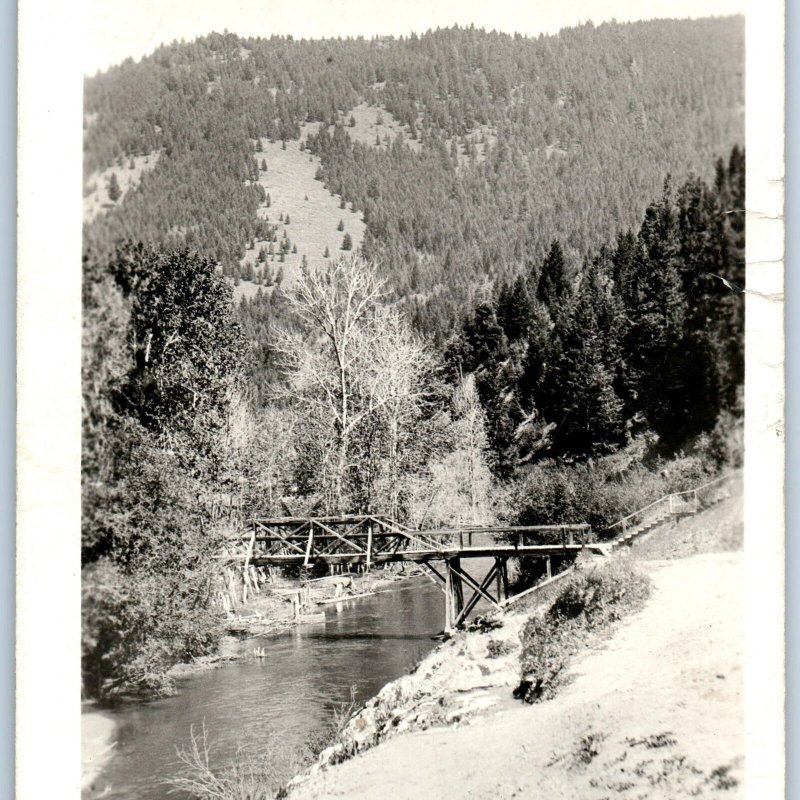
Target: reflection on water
(291, 693)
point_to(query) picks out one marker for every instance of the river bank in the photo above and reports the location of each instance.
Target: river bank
(656, 711)
(285, 602)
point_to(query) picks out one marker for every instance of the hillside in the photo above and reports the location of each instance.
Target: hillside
(489, 147)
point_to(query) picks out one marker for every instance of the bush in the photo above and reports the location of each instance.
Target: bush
(590, 600)
(257, 773)
(136, 626)
(602, 491)
(497, 648)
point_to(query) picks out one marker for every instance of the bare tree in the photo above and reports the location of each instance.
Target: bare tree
(456, 485)
(403, 366)
(328, 366)
(361, 374)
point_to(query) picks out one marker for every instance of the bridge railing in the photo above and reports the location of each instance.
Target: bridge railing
(658, 508)
(302, 540)
(465, 537)
(676, 503)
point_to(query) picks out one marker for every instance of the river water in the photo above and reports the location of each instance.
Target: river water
(287, 697)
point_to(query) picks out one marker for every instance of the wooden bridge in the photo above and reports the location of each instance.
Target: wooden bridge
(375, 539)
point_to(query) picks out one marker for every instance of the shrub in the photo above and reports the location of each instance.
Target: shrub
(590, 600)
(497, 648)
(257, 773)
(602, 491)
(138, 625)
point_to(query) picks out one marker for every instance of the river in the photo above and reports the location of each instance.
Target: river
(288, 697)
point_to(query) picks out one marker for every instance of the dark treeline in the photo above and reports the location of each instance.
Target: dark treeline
(566, 137)
(647, 336)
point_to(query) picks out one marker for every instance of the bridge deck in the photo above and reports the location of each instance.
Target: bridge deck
(421, 556)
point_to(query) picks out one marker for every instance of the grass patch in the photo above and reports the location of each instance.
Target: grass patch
(590, 600)
(254, 773)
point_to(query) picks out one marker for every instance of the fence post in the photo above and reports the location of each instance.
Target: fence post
(671, 504)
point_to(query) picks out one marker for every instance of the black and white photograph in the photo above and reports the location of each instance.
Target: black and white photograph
(414, 454)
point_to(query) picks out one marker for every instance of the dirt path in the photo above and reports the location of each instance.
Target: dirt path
(655, 713)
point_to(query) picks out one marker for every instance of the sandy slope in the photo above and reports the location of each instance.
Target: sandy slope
(655, 713)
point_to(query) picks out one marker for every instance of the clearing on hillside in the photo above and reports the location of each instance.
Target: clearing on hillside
(313, 211)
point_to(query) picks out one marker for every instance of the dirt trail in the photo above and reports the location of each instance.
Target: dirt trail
(655, 713)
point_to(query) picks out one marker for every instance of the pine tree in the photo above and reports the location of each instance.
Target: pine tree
(554, 286)
(577, 393)
(347, 242)
(340, 226)
(484, 339)
(656, 312)
(114, 192)
(514, 309)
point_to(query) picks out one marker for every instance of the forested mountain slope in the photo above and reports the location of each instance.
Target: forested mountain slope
(507, 142)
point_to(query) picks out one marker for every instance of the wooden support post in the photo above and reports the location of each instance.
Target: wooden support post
(505, 578)
(458, 589)
(448, 598)
(369, 546)
(498, 565)
(454, 594)
(310, 543)
(549, 568)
